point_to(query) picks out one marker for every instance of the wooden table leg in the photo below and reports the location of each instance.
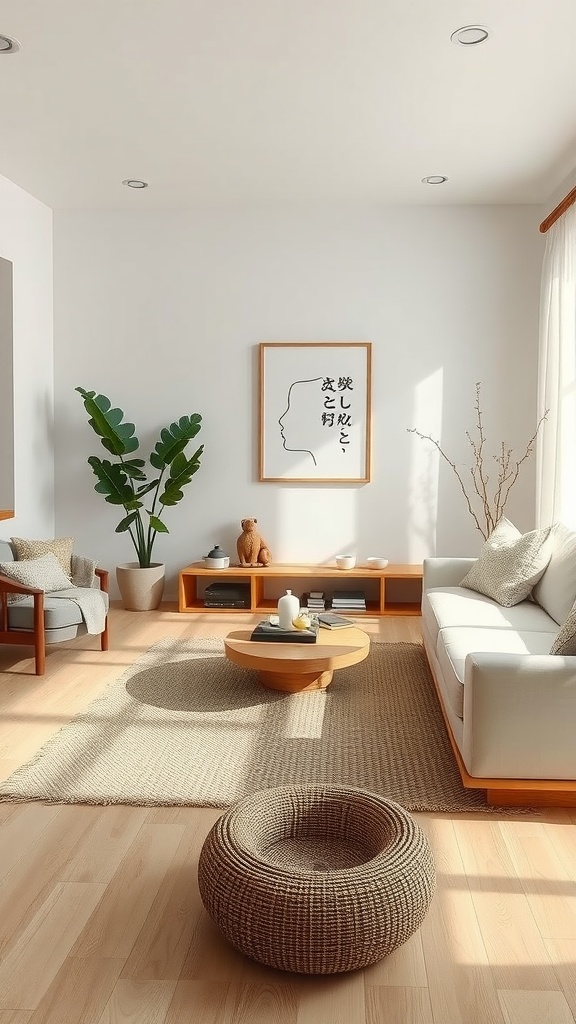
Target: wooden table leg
(296, 682)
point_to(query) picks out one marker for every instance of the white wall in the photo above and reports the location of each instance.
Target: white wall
(163, 313)
(26, 240)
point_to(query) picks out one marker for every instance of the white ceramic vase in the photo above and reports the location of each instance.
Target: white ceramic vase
(288, 608)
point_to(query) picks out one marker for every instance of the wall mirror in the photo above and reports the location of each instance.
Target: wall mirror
(6, 392)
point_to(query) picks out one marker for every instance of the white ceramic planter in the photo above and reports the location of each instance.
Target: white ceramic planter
(141, 589)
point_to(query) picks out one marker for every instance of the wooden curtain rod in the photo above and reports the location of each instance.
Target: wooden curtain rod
(557, 212)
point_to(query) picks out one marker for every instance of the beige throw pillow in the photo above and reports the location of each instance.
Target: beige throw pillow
(44, 573)
(509, 564)
(565, 642)
(556, 591)
(61, 547)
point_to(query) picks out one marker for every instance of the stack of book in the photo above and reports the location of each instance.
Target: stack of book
(349, 601)
(268, 633)
(315, 600)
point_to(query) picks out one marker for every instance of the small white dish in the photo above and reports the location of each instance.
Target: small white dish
(216, 563)
(376, 563)
(345, 561)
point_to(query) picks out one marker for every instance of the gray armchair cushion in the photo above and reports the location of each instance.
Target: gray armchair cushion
(57, 613)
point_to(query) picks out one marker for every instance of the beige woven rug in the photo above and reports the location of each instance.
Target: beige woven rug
(183, 726)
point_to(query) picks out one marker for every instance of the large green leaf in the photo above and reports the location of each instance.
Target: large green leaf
(113, 483)
(173, 440)
(181, 472)
(158, 525)
(134, 468)
(126, 523)
(117, 437)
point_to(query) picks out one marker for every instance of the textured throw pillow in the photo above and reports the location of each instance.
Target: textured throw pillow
(565, 642)
(556, 591)
(509, 564)
(44, 573)
(61, 547)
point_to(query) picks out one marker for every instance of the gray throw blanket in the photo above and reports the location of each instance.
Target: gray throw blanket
(92, 603)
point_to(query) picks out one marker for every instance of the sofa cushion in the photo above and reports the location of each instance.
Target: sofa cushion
(61, 547)
(509, 564)
(44, 573)
(565, 641)
(58, 613)
(455, 643)
(454, 606)
(556, 590)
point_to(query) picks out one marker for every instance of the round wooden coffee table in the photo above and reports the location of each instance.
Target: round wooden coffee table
(297, 667)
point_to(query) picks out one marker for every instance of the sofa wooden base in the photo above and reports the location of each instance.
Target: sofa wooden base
(510, 792)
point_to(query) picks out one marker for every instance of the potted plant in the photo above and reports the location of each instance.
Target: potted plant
(142, 495)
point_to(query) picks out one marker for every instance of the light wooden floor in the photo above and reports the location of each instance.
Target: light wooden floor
(101, 922)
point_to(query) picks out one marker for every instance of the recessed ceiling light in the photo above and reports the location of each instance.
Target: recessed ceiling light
(135, 183)
(434, 179)
(8, 45)
(469, 35)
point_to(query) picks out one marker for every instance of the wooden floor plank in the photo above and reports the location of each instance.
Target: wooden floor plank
(202, 1001)
(41, 866)
(133, 1002)
(403, 968)
(550, 889)
(522, 1007)
(79, 991)
(515, 947)
(460, 980)
(562, 953)
(20, 832)
(164, 939)
(100, 853)
(32, 962)
(398, 1006)
(261, 1003)
(114, 928)
(332, 1000)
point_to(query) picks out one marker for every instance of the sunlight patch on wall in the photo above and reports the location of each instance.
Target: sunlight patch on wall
(424, 466)
(314, 524)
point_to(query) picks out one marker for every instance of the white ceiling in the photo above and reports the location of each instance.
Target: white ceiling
(286, 101)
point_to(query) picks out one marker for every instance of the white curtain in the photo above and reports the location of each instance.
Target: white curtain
(556, 448)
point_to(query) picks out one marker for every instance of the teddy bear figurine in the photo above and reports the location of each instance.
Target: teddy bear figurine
(252, 549)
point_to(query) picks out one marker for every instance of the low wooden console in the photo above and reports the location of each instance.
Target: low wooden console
(383, 586)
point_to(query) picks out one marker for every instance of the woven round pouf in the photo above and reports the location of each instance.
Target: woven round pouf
(316, 879)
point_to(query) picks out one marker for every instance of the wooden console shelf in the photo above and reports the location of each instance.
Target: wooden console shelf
(380, 597)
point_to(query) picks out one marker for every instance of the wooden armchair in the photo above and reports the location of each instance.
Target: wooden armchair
(37, 619)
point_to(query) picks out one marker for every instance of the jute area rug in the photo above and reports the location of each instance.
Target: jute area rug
(183, 726)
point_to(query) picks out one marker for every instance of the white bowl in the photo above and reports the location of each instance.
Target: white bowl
(217, 563)
(376, 563)
(345, 561)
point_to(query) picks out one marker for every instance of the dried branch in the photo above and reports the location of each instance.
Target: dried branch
(491, 505)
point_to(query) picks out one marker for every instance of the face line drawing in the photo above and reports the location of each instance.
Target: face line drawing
(308, 380)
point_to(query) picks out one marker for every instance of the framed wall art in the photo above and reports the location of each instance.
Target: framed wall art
(315, 412)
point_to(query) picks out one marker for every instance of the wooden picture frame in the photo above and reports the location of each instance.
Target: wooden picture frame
(315, 412)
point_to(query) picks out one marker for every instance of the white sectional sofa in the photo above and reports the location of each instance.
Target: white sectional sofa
(510, 705)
